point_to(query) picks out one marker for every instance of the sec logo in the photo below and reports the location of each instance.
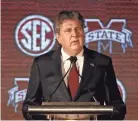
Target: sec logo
(34, 35)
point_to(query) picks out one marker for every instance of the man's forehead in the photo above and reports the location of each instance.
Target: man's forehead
(70, 22)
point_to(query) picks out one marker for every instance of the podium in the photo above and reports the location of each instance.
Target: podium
(71, 110)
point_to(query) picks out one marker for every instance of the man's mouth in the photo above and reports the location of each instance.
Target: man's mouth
(75, 42)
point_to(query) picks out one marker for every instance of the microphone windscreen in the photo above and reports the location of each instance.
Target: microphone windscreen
(73, 59)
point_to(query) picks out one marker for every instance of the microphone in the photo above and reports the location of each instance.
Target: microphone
(92, 94)
(72, 60)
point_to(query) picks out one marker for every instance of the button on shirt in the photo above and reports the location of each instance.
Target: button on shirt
(65, 63)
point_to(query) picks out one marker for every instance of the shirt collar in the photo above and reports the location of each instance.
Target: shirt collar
(65, 56)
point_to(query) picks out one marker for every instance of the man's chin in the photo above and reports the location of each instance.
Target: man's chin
(76, 50)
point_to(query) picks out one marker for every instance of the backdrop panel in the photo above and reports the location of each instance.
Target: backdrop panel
(27, 32)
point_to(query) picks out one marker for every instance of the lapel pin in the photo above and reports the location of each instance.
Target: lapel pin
(92, 64)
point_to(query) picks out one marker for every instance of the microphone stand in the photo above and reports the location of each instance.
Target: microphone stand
(72, 59)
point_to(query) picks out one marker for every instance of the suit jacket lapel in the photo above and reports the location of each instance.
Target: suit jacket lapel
(88, 66)
(62, 88)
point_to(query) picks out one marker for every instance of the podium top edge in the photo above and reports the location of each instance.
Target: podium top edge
(70, 103)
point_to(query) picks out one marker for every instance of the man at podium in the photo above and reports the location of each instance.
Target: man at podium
(72, 72)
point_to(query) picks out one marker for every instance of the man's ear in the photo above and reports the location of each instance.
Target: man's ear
(58, 37)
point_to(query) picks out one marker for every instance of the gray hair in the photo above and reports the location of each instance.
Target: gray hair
(64, 15)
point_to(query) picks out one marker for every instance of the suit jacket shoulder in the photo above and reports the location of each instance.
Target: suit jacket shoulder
(46, 56)
(98, 57)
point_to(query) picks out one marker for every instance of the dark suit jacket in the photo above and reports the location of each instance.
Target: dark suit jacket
(97, 76)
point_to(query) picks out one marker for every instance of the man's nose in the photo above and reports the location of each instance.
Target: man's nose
(74, 33)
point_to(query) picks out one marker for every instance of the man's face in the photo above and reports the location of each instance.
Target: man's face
(71, 36)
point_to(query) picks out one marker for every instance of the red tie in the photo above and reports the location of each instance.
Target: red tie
(73, 80)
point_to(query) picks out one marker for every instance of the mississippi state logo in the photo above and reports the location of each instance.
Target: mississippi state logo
(34, 35)
(112, 37)
(18, 92)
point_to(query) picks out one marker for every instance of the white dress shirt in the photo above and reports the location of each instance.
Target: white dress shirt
(66, 64)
